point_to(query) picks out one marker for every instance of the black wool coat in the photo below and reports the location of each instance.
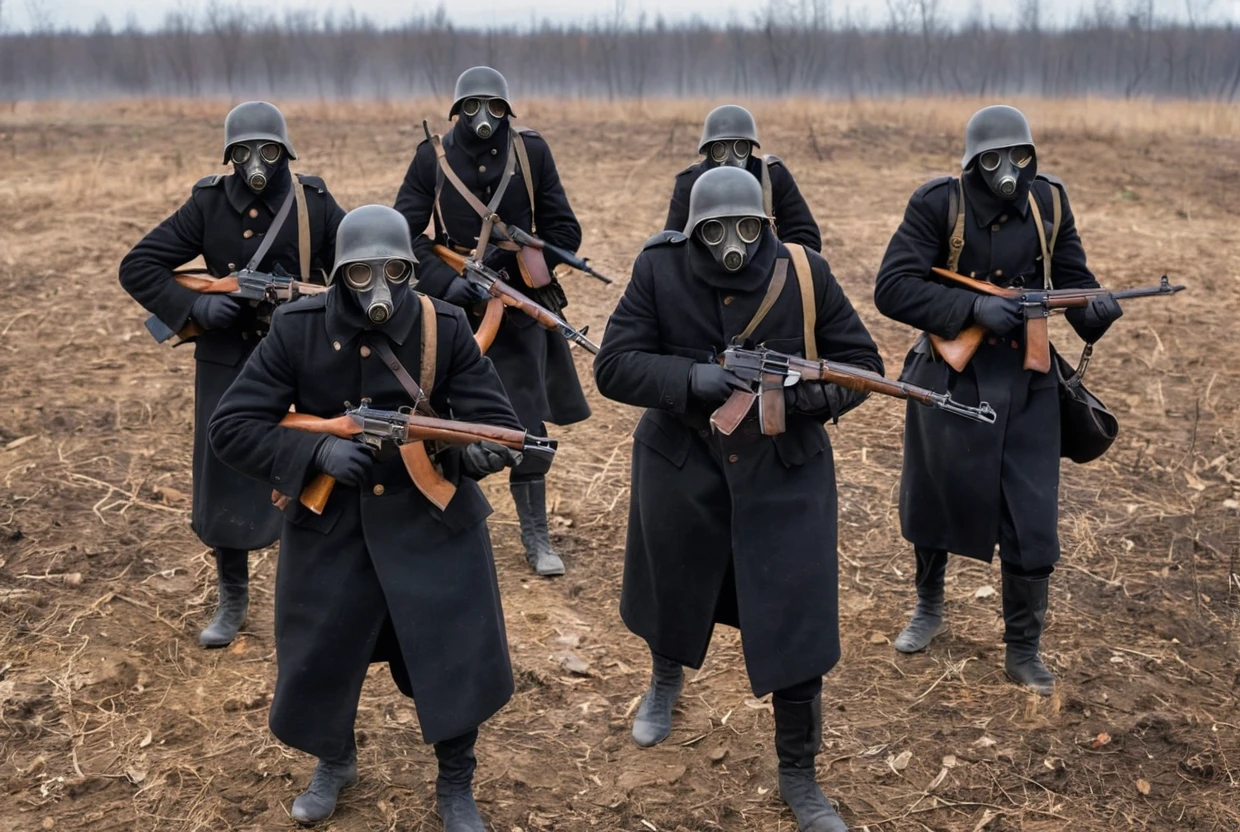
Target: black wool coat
(225, 222)
(535, 364)
(737, 530)
(381, 574)
(966, 485)
(794, 223)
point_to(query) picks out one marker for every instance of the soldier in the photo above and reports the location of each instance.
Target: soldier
(380, 575)
(489, 160)
(738, 530)
(263, 218)
(729, 139)
(967, 487)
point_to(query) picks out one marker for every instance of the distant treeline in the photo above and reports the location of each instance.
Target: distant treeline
(792, 47)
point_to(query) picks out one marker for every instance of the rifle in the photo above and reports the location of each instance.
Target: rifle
(252, 286)
(766, 373)
(409, 432)
(1037, 304)
(497, 288)
(529, 249)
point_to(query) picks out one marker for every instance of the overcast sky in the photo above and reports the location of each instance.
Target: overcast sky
(148, 13)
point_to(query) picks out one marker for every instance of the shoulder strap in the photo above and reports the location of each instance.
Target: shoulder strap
(768, 198)
(955, 204)
(430, 344)
(421, 402)
(303, 228)
(1046, 252)
(527, 173)
(1056, 216)
(773, 290)
(809, 309)
(270, 237)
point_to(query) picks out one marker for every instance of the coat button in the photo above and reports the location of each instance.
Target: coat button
(998, 272)
(336, 346)
(705, 434)
(253, 213)
(1003, 218)
(232, 267)
(365, 351)
(996, 227)
(248, 233)
(494, 151)
(728, 300)
(378, 489)
(482, 168)
(734, 458)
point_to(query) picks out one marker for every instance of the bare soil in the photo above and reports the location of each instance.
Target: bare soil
(114, 719)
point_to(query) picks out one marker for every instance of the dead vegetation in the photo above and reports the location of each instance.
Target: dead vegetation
(114, 719)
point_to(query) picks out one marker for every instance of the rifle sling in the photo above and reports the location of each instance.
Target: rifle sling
(955, 244)
(485, 212)
(773, 289)
(420, 394)
(1046, 250)
(270, 237)
(768, 198)
(527, 172)
(303, 228)
(809, 309)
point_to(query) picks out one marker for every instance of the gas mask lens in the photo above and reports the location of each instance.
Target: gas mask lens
(270, 152)
(749, 229)
(396, 271)
(735, 152)
(471, 106)
(1018, 156)
(711, 232)
(1021, 156)
(239, 154)
(358, 275)
(497, 108)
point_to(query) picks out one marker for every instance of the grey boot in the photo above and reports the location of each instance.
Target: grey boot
(232, 568)
(928, 614)
(454, 789)
(798, 739)
(318, 801)
(654, 715)
(1024, 615)
(530, 497)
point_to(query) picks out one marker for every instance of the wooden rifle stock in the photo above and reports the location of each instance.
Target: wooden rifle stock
(484, 336)
(959, 351)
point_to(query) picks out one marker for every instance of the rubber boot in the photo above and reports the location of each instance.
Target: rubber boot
(232, 568)
(798, 739)
(454, 789)
(318, 801)
(530, 497)
(928, 614)
(1024, 615)
(654, 715)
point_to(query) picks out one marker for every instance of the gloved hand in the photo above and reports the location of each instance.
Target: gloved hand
(483, 458)
(461, 292)
(999, 315)
(711, 384)
(1102, 311)
(348, 462)
(810, 398)
(215, 311)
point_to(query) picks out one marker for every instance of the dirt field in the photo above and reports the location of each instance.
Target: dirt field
(114, 719)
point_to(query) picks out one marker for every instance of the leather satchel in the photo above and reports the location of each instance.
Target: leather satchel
(1086, 427)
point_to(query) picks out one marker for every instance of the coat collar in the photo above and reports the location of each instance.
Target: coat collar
(241, 197)
(988, 206)
(345, 320)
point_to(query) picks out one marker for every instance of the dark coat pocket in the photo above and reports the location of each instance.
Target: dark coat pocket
(669, 441)
(304, 518)
(802, 441)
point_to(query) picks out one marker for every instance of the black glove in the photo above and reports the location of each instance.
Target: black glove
(999, 315)
(462, 292)
(345, 460)
(711, 384)
(483, 458)
(810, 398)
(1102, 311)
(215, 311)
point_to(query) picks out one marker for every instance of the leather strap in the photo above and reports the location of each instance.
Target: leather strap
(303, 228)
(1046, 252)
(809, 309)
(527, 173)
(419, 395)
(430, 345)
(768, 198)
(270, 237)
(1056, 216)
(956, 243)
(773, 289)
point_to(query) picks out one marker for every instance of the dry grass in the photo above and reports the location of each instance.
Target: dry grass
(115, 720)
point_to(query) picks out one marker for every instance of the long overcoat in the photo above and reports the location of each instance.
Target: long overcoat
(968, 486)
(381, 574)
(225, 222)
(794, 223)
(738, 530)
(534, 363)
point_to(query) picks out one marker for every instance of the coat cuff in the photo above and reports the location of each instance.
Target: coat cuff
(674, 390)
(174, 306)
(293, 466)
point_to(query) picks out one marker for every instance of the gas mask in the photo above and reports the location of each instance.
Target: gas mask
(484, 115)
(378, 286)
(732, 241)
(730, 152)
(257, 163)
(1001, 169)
